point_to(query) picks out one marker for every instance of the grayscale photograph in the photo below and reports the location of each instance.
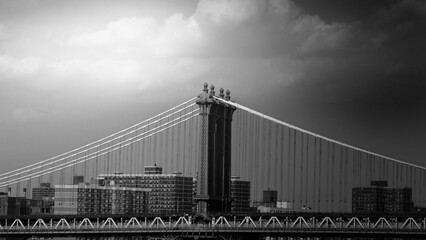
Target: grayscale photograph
(212, 119)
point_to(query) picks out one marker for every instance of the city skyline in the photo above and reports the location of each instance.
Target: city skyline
(73, 73)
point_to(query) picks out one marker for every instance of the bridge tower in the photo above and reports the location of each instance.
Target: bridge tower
(214, 170)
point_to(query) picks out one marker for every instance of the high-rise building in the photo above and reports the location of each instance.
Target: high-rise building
(153, 169)
(43, 191)
(170, 193)
(378, 198)
(368, 200)
(398, 200)
(46, 194)
(87, 200)
(270, 198)
(77, 179)
(240, 195)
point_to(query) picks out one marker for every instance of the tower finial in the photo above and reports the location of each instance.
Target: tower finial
(206, 87)
(212, 92)
(228, 95)
(221, 94)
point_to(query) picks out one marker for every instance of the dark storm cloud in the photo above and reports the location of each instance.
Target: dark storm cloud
(380, 64)
(376, 82)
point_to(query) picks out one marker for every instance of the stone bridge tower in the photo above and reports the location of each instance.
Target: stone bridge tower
(214, 171)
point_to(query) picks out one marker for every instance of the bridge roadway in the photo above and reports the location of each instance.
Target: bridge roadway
(224, 227)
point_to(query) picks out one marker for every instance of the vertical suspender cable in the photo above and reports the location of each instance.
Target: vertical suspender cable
(282, 161)
(327, 176)
(315, 173)
(301, 168)
(168, 149)
(332, 177)
(184, 171)
(424, 184)
(172, 156)
(320, 181)
(190, 142)
(178, 145)
(307, 170)
(154, 139)
(278, 185)
(257, 153)
(251, 148)
(246, 141)
(288, 163)
(294, 168)
(340, 181)
(354, 165)
(346, 177)
(268, 153)
(266, 161)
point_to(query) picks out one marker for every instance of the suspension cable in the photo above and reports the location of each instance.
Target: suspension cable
(314, 134)
(34, 166)
(114, 146)
(75, 162)
(100, 140)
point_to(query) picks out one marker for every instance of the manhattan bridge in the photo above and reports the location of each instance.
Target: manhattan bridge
(210, 138)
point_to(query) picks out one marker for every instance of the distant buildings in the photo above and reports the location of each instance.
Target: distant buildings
(152, 192)
(378, 198)
(77, 179)
(170, 193)
(270, 203)
(240, 195)
(46, 194)
(94, 200)
(270, 198)
(43, 192)
(18, 206)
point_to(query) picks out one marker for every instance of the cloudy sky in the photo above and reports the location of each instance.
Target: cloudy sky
(74, 71)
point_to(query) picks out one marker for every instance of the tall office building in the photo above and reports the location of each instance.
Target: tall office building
(170, 193)
(240, 195)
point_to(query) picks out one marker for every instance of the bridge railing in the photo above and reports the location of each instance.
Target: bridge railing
(219, 223)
